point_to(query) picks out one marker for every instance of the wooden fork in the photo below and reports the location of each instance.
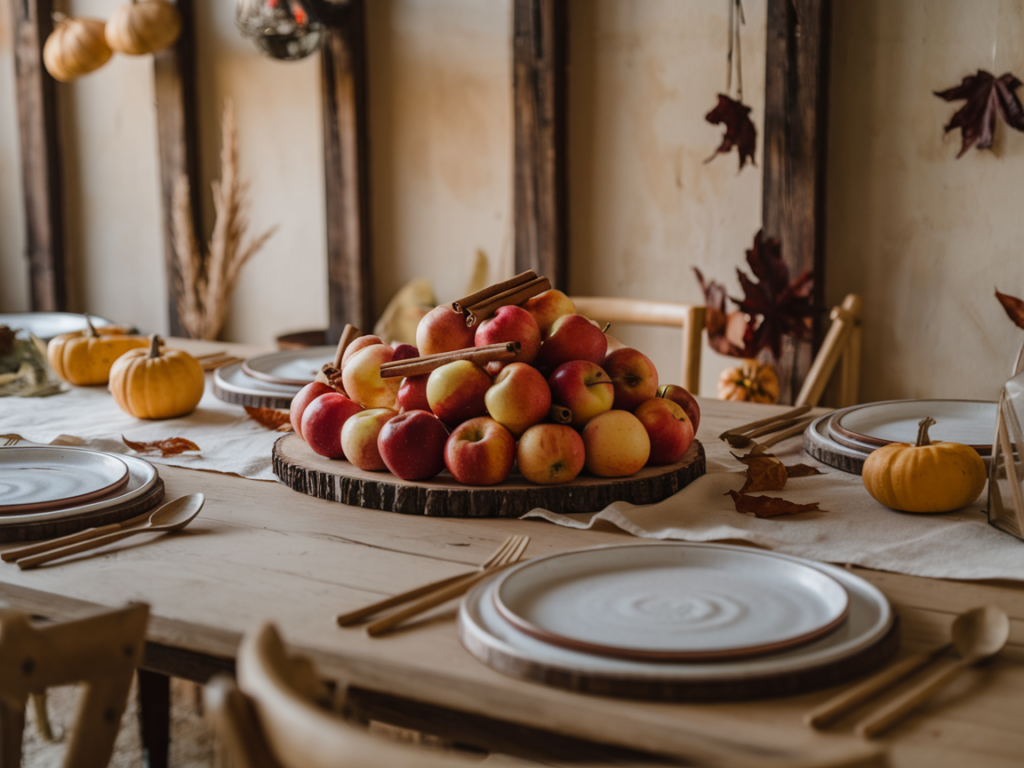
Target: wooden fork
(10, 440)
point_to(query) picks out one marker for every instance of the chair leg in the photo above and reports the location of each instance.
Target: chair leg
(12, 731)
(42, 717)
(155, 717)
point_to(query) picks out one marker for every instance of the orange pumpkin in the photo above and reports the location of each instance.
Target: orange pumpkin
(750, 381)
(85, 357)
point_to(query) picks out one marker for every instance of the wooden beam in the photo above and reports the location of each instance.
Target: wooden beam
(40, 157)
(174, 79)
(796, 85)
(347, 170)
(540, 98)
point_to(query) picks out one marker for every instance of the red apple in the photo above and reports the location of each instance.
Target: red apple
(480, 452)
(668, 427)
(442, 330)
(511, 324)
(412, 445)
(412, 394)
(359, 438)
(362, 342)
(323, 420)
(362, 380)
(682, 396)
(549, 454)
(519, 398)
(582, 387)
(547, 307)
(617, 444)
(634, 376)
(572, 337)
(301, 401)
(456, 391)
(404, 351)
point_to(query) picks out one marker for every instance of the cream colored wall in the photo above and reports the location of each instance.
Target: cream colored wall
(13, 272)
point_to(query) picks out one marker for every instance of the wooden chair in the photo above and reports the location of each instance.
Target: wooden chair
(687, 317)
(842, 345)
(101, 652)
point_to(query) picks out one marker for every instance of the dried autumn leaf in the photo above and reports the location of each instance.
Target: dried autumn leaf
(986, 96)
(6, 340)
(764, 472)
(1014, 308)
(172, 446)
(728, 332)
(739, 129)
(769, 506)
(271, 418)
(802, 470)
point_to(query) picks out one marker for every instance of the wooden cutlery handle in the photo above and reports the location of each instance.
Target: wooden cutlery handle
(891, 714)
(443, 595)
(796, 429)
(344, 619)
(74, 549)
(800, 410)
(73, 538)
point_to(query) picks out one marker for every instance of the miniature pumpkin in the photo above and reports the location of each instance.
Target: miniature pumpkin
(85, 357)
(155, 383)
(753, 381)
(137, 28)
(74, 48)
(925, 477)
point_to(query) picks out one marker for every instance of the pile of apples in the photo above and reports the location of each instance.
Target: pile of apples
(479, 421)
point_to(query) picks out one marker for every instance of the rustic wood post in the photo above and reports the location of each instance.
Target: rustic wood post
(347, 170)
(540, 98)
(174, 76)
(796, 85)
(40, 156)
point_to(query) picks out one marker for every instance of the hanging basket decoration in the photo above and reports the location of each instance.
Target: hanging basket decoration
(143, 26)
(986, 96)
(74, 48)
(282, 29)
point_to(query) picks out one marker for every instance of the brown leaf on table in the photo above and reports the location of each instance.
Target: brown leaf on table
(802, 470)
(728, 332)
(172, 446)
(768, 506)
(739, 129)
(783, 306)
(764, 472)
(1014, 308)
(271, 418)
(986, 96)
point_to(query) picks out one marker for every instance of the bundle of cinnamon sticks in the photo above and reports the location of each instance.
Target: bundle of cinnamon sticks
(515, 290)
(415, 366)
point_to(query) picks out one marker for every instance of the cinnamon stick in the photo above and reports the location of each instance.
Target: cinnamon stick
(462, 305)
(559, 414)
(415, 366)
(516, 295)
(348, 335)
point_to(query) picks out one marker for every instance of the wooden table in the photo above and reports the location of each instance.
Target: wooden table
(261, 551)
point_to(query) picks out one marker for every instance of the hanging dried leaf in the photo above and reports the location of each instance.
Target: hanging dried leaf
(271, 418)
(764, 471)
(986, 96)
(739, 130)
(172, 446)
(802, 470)
(1014, 308)
(728, 332)
(768, 506)
(784, 307)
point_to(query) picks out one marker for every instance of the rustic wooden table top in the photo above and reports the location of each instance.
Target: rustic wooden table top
(261, 551)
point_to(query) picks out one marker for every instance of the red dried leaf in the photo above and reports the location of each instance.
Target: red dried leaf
(739, 130)
(1014, 308)
(271, 418)
(764, 472)
(986, 97)
(769, 506)
(802, 470)
(783, 307)
(728, 332)
(172, 446)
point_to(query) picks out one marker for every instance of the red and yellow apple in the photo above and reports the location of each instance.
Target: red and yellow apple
(549, 454)
(582, 387)
(357, 344)
(668, 427)
(480, 452)
(682, 396)
(362, 380)
(412, 445)
(572, 337)
(323, 420)
(412, 394)
(301, 401)
(547, 307)
(359, 438)
(511, 324)
(634, 376)
(616, 444)
(455, 392)
(519, 398)
(442, 330)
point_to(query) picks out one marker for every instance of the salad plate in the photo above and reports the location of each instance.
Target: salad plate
(44, 478)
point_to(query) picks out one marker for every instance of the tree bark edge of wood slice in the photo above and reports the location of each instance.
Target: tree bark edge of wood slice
(302, 470)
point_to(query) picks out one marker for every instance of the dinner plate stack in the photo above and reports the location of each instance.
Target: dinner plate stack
(678, 621)
(271, 380)
(53, 490)
(844, 438)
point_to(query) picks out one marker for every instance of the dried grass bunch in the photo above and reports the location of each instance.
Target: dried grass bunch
(205, 283)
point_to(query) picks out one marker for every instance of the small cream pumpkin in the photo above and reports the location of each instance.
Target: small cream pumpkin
(155, 383)
(85, 357)
(137, 28)
(74, 48)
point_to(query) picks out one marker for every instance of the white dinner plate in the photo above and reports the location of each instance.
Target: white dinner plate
(232, 378)
(141, 477)
(969, 422)
(821, 445)
(672, 602)
(291, 367)
(37, 479)
(495, 641)
(46, 325)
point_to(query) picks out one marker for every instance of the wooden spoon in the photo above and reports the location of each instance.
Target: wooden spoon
(978, 634)
(172, 516)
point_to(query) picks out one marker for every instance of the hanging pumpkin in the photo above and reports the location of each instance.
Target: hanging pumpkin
(137, 28)
(751, 380)
(84, 357)
(74, 48)
(155, 383)
(926, 476)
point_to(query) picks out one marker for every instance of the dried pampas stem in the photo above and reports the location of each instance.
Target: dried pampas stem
(205, 284)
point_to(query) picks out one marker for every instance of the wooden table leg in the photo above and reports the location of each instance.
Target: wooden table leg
(155, 717)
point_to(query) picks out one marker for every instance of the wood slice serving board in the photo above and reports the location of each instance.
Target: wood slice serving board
(302, 470)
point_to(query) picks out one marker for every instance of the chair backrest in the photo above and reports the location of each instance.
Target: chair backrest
(687, 317)
(101, 652)
(841, 346)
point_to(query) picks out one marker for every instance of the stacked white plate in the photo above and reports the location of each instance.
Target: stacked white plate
(657, 620)
(46, 325)
(271, 380)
